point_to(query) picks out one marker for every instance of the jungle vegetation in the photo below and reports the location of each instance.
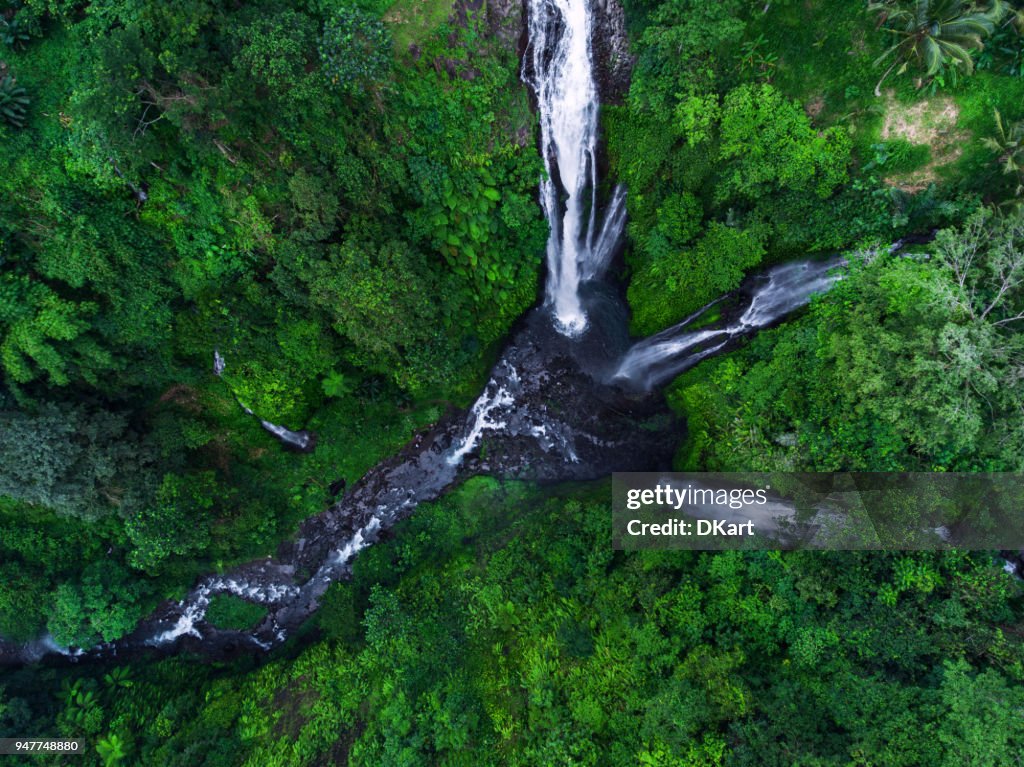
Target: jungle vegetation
(340, 197)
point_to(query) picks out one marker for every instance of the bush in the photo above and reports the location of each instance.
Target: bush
(665, 290)
(355, 49)
(227, 611)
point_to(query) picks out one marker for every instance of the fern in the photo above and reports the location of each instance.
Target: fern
(13, 102)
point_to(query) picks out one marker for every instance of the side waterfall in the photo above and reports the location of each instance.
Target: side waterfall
(774, 294)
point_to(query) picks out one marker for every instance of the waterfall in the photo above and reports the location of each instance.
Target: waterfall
(303, 441)
(772, 295)
(558, 66)
(788, 287)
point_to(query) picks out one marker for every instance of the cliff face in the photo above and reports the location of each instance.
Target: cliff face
(507, 20)
(613, 63)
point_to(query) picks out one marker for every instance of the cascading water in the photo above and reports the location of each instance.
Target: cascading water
(558, 66)
(771, 296)
(302, 441)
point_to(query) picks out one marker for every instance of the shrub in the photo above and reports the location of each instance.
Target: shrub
(355, 49)
(226, 611)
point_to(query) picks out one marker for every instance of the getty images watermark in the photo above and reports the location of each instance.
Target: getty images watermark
(850, 511)
(667, 496)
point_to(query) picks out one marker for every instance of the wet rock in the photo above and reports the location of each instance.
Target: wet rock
(613, 62)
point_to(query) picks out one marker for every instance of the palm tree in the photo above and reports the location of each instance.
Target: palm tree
(1009, 142)
(12, 34)
(935, 32)
(112, 749)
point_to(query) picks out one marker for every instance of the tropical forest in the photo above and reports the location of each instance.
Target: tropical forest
(325, 325)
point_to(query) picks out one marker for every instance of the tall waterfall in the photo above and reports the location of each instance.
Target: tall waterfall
(558, 66)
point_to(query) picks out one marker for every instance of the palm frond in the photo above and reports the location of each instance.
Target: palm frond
(976, 26)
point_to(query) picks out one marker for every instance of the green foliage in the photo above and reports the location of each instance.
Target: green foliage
(191, 179)
(768, 142)
(276, 51)
(755, 59)
(355, 228)
(118, 678)
(978, 723)
(499, 628)
(227, 611)
(106, 605)
(897, 156)
(904, 365)
(1003, 52)
(706, 191)
(672, 286)
(176, 522)
(79, 462)
(1008, 141)
(112, 749)
(355, 49)
(40, 551)
(681, 49)
(22, 601)
(12, 33)
(375, 292)
(45, 334)
(83, 709)
(336, 384)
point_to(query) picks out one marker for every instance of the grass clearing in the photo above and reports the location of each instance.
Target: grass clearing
(413, 21)
(826, 53)
(932, 124)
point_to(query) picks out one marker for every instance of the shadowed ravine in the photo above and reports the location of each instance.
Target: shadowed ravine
(571, 397)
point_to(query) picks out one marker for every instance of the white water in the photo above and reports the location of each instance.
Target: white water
(785, 288)
(50, 644)
(359, 542)
(789, 286)
(559, 68)
(194, 612)
(195, 606)
(602, 250)
(481, 413)
(301, 440)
